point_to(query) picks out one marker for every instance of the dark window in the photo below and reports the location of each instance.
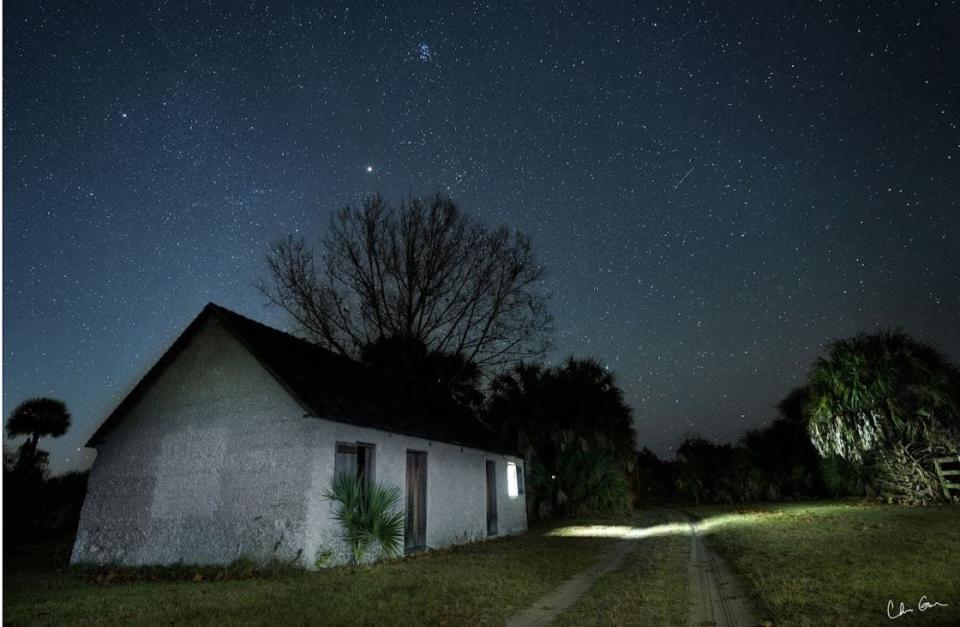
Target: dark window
(520, 478)
(354, 458)
(491, 497)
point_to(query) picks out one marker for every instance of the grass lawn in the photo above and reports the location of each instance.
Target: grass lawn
(827, 563)
(482, 583)
(841, 563)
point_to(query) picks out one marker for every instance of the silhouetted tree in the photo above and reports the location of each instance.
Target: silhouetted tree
(712, 472)
(784, 462)
(792, 407)
(654, 476)
(423, 380)
(421, 271)
(38, 508)
(36, 418)
(548, 412)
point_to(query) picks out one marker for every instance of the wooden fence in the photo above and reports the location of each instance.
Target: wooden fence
(953, 470)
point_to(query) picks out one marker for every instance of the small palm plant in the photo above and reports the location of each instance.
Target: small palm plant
(368, 515)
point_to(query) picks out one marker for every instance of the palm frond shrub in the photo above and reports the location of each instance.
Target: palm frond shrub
(369, 516)
(888, 395)
(905, 474)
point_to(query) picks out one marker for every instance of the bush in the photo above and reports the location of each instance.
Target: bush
(842, 477)
(768, 464)
(368, 515)
(591, 482)
(43, 510)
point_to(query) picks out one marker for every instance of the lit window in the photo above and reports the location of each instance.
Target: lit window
(512, 480)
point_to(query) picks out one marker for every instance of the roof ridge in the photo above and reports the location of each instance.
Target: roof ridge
(222, 312)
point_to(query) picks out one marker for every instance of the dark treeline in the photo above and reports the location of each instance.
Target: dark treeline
(776, 462)
(39, 509)
(42, 510)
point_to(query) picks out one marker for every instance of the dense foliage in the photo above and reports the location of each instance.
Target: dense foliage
(770, 463)
(573, 425)
(411, 377)
(875, 390)
(887, 403)
(38, 508)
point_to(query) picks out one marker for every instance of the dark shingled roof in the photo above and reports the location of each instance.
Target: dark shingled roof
(326, 385)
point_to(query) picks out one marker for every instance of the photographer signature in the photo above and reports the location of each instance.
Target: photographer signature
(923, 605)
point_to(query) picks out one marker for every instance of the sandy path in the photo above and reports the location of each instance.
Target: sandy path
(546, 609)
(715, 597)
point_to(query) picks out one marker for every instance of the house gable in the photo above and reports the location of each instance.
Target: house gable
(208, 322)
(206, 377)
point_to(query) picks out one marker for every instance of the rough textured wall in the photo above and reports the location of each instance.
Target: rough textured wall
(216, 461)
(456, 488)
(206, 467)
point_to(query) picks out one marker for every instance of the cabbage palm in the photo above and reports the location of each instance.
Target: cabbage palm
(37, 418)
(877, 389)
(888, 396)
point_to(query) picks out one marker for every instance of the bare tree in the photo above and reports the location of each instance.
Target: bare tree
(423, 271)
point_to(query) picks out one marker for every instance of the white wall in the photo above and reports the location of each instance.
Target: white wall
(456, 487)
(216, 461)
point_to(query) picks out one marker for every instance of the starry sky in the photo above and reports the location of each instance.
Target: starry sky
(716, 189)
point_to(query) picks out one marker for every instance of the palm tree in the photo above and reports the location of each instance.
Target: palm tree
(545, 410)
(37, 418)
(517, 410)
(885, 394)
(593, 406)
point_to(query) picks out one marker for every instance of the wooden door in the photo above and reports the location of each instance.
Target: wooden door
(415, 529)
(491, 498)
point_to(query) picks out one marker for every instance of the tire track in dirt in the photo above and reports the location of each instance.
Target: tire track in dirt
(716, 597)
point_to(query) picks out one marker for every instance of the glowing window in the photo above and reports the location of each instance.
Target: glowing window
(512, 480)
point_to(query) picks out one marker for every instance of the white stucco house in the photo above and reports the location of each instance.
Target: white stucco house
(226, 446)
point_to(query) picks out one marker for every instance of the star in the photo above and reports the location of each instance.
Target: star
(424, 53)
(369, 168)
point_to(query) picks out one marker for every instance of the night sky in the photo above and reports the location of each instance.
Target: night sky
(716, 191)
